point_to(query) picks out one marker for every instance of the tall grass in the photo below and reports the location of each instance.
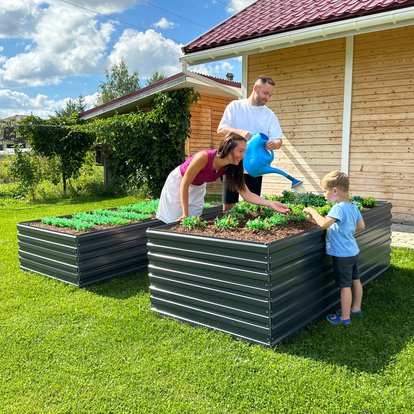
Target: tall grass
(102, 350)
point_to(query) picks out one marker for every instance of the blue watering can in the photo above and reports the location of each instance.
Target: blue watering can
(257, 159)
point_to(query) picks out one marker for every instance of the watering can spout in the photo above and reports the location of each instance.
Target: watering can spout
(257, 159)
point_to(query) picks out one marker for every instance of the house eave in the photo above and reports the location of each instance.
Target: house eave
(186, 79)
(344, 28)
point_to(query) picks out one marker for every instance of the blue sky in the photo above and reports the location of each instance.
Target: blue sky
(55, 50)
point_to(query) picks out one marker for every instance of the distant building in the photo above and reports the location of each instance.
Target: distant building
(9, 137)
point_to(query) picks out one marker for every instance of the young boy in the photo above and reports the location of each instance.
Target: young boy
(341, 222)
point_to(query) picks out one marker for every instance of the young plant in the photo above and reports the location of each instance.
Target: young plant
(266, 223)
(99, 219)
(369, 202)
(227, 222)
(193, 221)
(241, 209)
(69, 223)
(145, 207)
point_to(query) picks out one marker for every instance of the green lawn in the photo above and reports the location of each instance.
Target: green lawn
(102, 350)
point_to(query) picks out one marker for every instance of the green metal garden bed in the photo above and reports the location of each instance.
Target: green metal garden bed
(87, 258)
(261, 292)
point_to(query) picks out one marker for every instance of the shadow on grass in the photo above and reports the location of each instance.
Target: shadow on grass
(374, 339)
(122, 287)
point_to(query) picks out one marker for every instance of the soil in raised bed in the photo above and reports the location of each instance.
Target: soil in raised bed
(68, 230)
(260, 236)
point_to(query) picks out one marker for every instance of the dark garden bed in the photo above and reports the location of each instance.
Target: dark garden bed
(263, 291)
(83, 257)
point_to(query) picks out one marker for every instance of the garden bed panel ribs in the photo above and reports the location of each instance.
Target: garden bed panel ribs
(261, 292)
(90, 257)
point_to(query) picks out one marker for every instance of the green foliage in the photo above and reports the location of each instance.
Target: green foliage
(228, 221)
(369, 202)
(307, 199)
(241, 209)
(296, 216)
(142, 149)
(100, 219)
(192, 222)
(6, 176)
(121, 216)
(129, 215)
(118, 82)
(72, 107)
(26, 170)
(54, 138)
(155, 77)
(149, 207)
(322, 210)
(66, 222)
(266, 223)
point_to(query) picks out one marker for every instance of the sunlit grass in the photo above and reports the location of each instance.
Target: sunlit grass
(102, 350)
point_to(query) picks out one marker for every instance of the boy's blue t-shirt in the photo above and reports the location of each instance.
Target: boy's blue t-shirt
(340, 239)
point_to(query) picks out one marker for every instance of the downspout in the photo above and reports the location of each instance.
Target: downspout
(347, 110)
(245, 75)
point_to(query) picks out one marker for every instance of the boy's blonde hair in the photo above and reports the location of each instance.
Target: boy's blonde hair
(336, 179)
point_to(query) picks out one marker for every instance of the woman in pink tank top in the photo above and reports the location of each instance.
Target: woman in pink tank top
(185, 188)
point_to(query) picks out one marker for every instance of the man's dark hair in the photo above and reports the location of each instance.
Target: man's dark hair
(266, 79)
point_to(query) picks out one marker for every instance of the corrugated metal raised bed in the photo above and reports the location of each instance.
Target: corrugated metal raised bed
(262, 292)
(86, 258)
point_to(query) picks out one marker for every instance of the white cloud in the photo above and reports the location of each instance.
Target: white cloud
(236, 5)
(218, 69)
(66, 42)
(13, 102)
(19, 103)
(163, 23)
(146, 52)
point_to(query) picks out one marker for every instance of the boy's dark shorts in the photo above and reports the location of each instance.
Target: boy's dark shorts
(254, 184)
(345, 270)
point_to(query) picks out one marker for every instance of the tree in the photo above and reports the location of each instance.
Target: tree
(57, 138)
(155, 77)
(72, 107)
(118, 83)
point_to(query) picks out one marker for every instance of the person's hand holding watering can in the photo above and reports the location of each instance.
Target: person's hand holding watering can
(273, 145)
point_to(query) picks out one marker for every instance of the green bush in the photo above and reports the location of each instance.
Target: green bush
(6, 176)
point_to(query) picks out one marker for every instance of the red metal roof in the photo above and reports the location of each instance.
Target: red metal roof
(266, 17)
(133, 97)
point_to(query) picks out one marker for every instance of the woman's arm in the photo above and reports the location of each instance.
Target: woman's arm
(196, 165)
(255, 199)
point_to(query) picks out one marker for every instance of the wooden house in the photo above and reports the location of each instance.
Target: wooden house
(344, 94)
(206, 113)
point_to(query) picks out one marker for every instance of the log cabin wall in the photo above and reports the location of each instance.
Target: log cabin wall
(382, 129)
(205, 118)
(308, 100)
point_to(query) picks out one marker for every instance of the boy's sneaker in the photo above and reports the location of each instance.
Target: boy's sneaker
(336, 320)
(357, 313)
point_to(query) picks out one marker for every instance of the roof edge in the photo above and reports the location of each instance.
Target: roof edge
(354, 26)
(160, 86)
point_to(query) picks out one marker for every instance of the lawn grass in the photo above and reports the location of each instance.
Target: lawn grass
(102, 350)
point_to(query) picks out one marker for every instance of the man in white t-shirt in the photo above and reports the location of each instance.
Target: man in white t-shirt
(247, 117)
